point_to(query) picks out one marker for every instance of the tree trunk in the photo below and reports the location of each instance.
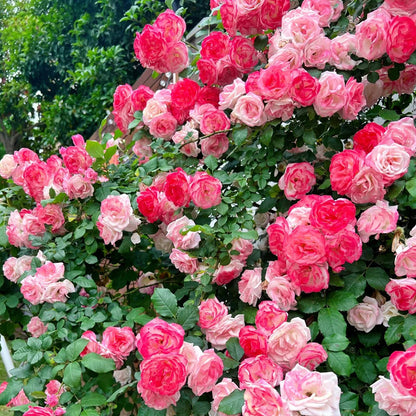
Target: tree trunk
(10, 142)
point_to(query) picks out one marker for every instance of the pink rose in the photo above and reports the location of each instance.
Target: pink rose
(120, 341)
(282, 108)
(344, 167)
(176, 188)
(243, 55)
(214, 120)
(116, 212)
(366, 315)
(269, 317)
(368, 137)
(298, 180)
(332, 94)
(311, 355)
(225, 274)
(317, 53)
(31, 290)
(355, 99)
(261, 395)
(400, 7)
(367, 186)
(76, 159)
(9, 269)
(7, 166)
(184, 241)
(278, 233)
(221, 390)
(274, 81)
(51, 214)
(163, 126)
(39, 411)
(36, 327)
(301, 26)
(140, 96)
(405, 262)
(344, 246)
(400, 366)
(215, 145)
(304, 87)
(231, 93)
(57, 292)
(250, 287)
(249, 110)
(287, 341)
(183, 262)
(187, 138)
(309, 278)
(148, 203)
(206, 372)
(215, 46)
(376, 220)
(253, 341)
(371, 35)
(324, 9)
(281, 291)
(402, 132)
(163, 374)
(401, 39)
(211, 311)
(159, 337)
(77, 187)
(253, 369)
(227, 328)
(391, 400)
(403, 294)
(311, 392)
(205, 190)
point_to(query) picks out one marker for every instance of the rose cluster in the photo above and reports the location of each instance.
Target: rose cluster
(159, 46)
(168, 362)
(380, 156)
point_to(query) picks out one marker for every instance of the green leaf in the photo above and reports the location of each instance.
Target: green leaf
(240, 133)
(309, 137)
(395, 330)
(72, 375)
(355, 284)
(311, 303)
(377, 278)
(73, 410)
(335, 343)
(120, 391)
(85, 282)
(373, 77)
(348, 401)
(74, 349)
(234, 348)
(267, 205)
(147, 411)
(92, 399)
(331, 322)
(340, 363)
(4, 240)
(389, 115)
(211, 162)
(165, 302)
(97, 363)
(365, 369)
(342, 300)
(94, 149)
(89, 412)
(187, 316)
(267, 134)
(411, 187)
(233, 403)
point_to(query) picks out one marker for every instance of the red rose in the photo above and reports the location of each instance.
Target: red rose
(401, 39)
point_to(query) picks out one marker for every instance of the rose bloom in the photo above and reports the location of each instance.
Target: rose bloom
(368, 137)
(187, 138)
(9, 269)
(301, 26)
(278, 233)
(31, 290)
(274, 81)
(211, 311)
(309, 278)
(187, 241)
(225, 274)
(116, 212)
(298, 180)
(57, 292)
(332, 94)
(36, 327)
(323, 8)
(400, 7)
(281, 291)
(148, 203)
(402, 366)
(214, 120)
(317, 53)
(269, 317)
(231, 93)
(7, 166)
(391, 400)
(311, 355)
(305, 245)
(371, 35)
(367, 187)
(159, 337)
(405, 262)
(185, 93)
(243, 55)
(215, 145)
(403, 294)
(304, 87)
(120, 341)
(176, 188)
(39, 411)
(390, 160)
(208, 369)
(311, 393)
(221, 390)
(253, 341)
(402, 132)
(355, 99)
(344, 246)
(366, 315)
(344, 166)
(331, 216)
(376, 220)
(261, 398)
(253, 369)
(287, 341)
(163, 374)
(163, 126)
(205, 190)
(157, 401)
(215, 45)
(401, 39)
(288, 55)
(249, 286)
(77, 187)
(183, 262)
(227, 328)
(249, 110)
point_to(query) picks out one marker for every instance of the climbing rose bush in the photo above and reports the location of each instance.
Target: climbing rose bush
(243, 243)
